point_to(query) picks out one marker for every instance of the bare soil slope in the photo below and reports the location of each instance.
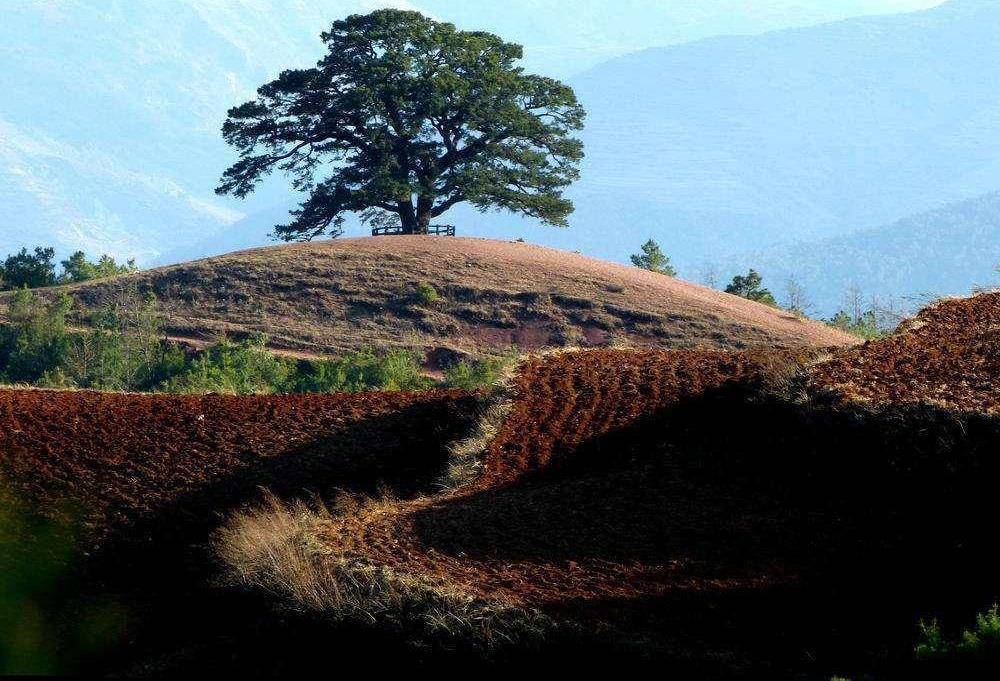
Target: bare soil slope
(335, 296)
(949, 355)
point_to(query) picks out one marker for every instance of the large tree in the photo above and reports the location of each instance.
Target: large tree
(404, 118)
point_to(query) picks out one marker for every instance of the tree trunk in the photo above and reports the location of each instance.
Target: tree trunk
(409, 224)
(408, 218)
(423, 222)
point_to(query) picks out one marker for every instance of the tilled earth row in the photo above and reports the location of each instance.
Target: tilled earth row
(113, 460)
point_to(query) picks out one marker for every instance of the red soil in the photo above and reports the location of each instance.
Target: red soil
(948, 355)
(578, 503)
(121, 458)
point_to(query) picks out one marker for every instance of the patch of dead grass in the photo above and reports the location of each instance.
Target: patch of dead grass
(276, 547)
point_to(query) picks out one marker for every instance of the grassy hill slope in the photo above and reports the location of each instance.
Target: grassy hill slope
(330, 297)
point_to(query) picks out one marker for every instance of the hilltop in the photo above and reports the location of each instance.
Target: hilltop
(326, 298)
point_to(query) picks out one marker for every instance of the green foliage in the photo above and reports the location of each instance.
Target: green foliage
(44, 627)
(34, 339)
(751, 288)
(56, 379)
(31, 270)
(361, 371)
(477, 375)
(930, 643)
(654, 259)
(37, 270)
(242, 368)
(981, 642)
(421, 117)
(77, 268)
(866, 326)
(125, 349)
(426, 294)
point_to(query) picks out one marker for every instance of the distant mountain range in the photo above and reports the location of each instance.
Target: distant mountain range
(735, 143)
(947, 251)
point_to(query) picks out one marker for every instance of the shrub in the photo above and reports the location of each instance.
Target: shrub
(34, 340)
(982, 642)
(77, 268)
(400, 370)
(476, 375)
(426, 294)
(361, 371)
(751, 288)
(27, 270)
(653, 259)
(243, 368)
(125, 350)
(55, 379)
(866, 326)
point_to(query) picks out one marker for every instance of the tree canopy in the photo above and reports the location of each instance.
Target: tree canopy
(77, 268)
(404, 118)
(29, 270)
(654, 259)
(751, 287)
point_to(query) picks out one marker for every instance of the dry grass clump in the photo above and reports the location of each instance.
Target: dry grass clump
(276, 547)
(466, 456)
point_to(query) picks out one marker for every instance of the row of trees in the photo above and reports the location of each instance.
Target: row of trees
(870, 317)
(37, 269)
(748, 286)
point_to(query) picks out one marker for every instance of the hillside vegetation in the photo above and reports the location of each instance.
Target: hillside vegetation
(447, 297)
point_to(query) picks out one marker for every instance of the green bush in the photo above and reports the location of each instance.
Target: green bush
(126, 349)
(27, 270)
(866, 326)
(361, 371)
(476, 375)
(426, 294)
(982, 642)
(751, 288)
(77, 268)
(243, 368)
(55, 379)
(34, 340)
(654, 259)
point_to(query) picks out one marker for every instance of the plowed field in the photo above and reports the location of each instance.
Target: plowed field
(115, 459)
(949, 354)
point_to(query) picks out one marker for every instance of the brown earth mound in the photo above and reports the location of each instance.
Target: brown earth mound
(330, 297)
(949, 354)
